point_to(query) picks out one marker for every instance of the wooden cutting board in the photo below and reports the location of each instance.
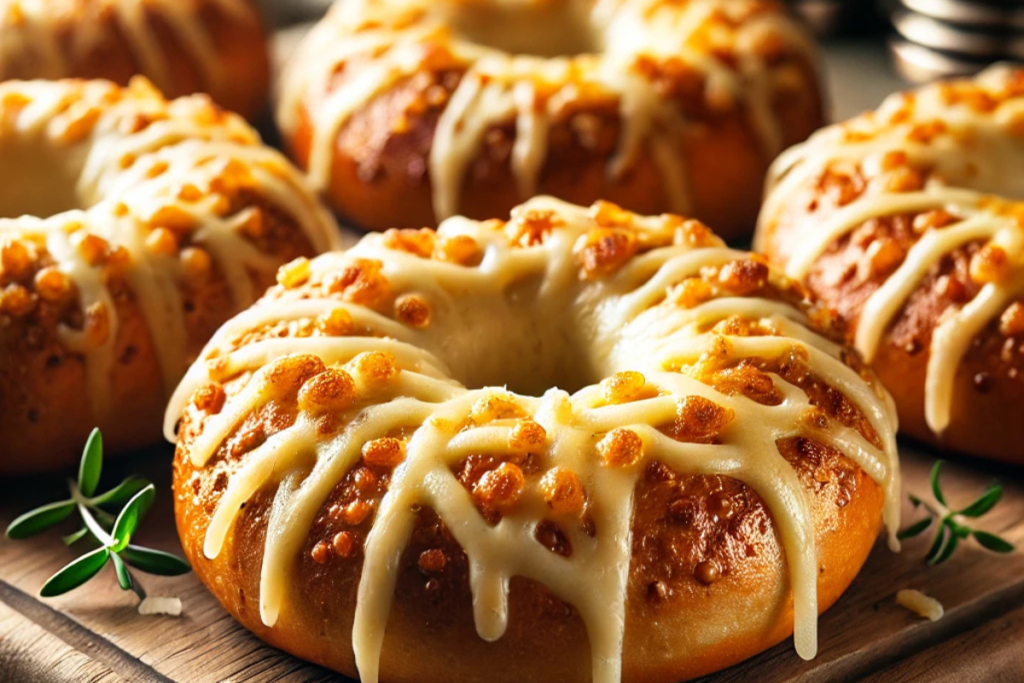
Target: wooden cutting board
(95, 634)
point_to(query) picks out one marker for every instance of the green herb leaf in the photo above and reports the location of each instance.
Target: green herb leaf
(92, 464)
(947, 550)
(993, 542)
(124, 579)
(39, 520)
(133, 496)
(121, 493)
(953, 524)
(940, 539)
(936, 488)
(986, 502)
(75, 573)
(105, 519)
(130, 517)
(155, 561)
(915, 529)
(71, 539)
(959, 529)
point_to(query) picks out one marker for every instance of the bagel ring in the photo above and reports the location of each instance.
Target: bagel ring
(406, 112)
(131, 227)
(183, 46)
(906, 220)
(355, 485)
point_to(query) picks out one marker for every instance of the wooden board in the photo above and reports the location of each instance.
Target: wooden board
(95, 633)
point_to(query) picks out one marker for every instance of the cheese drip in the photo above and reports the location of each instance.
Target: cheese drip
(971, 153)
(629, 326)
(35, 32)
(389, 41)
(176, 172)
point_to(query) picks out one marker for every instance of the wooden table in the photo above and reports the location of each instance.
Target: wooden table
(95, 634)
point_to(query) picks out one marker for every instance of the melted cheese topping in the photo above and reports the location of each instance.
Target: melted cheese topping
(179, 170)
(625, 323)
(970, 150)
(35, 32)
(403, 37)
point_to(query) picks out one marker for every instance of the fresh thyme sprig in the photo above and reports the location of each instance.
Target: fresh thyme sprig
(112, 532)
(952, 528)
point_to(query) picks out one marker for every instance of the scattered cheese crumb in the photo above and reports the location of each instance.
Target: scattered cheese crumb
(920, 604)
(157, 605)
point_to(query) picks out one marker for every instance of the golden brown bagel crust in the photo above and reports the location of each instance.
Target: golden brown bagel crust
(94, 39)
(45, 414)
(988, 389)
(679, 531)
(47, 404)
(377, 178)
(380, 158)
(708, 583)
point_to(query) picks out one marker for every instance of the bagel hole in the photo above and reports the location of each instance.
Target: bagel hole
(554, 28)
(533, 343)
(529, 366)
(37, 179)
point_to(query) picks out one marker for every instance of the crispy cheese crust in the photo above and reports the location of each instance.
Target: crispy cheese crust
(184, 46)
(654, 129)
(296, 438)
(185, 218)
(917, 246)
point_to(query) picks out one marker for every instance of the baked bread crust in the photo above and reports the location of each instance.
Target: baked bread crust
(708, 581)
(916, 175)
(183, 46)
(696, 629)
(704, 153)
(185, 217)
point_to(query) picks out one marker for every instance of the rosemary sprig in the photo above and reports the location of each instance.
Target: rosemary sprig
(112, 531)
(952, 527)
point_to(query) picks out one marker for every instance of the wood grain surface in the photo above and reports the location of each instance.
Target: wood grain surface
(95, 633)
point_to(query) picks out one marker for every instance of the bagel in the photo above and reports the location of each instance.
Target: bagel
(352, 479)
(904, 221)
(141, 226)
(183, 46)
(406, 112)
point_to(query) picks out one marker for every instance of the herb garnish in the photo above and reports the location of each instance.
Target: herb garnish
(113, 532)
(952, 528)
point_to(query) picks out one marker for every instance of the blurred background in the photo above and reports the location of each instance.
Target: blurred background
(871, 47)
(927, 39)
